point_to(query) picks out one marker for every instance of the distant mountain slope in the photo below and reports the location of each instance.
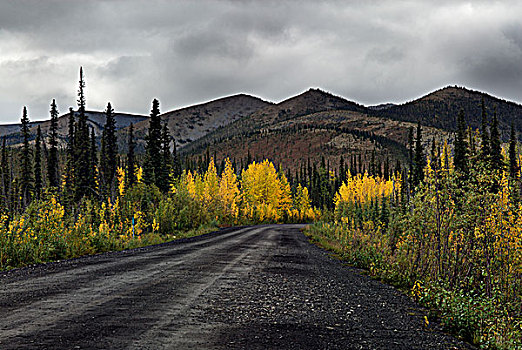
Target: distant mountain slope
(191, 123)
(326, 134)
(7, 129)
(96, 121)
(310, 124)
(440, 108)
(308, 102)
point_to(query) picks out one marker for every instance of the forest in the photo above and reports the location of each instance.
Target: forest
(448, 230)
(445, 225)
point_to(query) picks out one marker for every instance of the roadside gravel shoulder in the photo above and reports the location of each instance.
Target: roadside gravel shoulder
(302, 298)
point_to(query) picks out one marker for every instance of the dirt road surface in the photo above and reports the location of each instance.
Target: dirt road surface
(262, 287)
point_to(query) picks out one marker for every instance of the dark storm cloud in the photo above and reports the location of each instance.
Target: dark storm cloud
(185, 52)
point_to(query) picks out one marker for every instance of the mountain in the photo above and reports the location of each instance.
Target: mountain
(191, 123)
(312, 125)
(96, 121)
(310, 101)
(440, 108)
(382, 106)
(7, 129)
(294, 139)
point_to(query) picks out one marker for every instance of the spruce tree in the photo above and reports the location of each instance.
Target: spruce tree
(164, 181)
(176, 162)
(496, 157)
(419, 161)
(38, 163)
(70, 188)
(484, 136)
(131, 175)
(103, 164)
(342, 171)
(513, 165)
(513, 161)
(52, 162)
(5, 175)
(82, 147)
(93, 163)
(372, 171)
(461, 146)
(26, 181)
(152, 168)
(109, 154)
(433, 154)
(410, 147)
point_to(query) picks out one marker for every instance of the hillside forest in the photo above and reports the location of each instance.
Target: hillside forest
(439, 217)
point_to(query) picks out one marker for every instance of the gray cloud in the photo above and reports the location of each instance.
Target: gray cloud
(185, 52)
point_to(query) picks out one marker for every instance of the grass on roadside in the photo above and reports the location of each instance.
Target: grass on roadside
(485, 321)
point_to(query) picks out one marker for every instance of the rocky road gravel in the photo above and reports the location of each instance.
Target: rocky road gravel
(261, 287)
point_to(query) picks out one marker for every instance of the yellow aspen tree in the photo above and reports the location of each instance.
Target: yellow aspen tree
(229, 191)
(261, 189)
(210, 187)
(188, 181)
(120, 174)
(302, 201)
(139, 174)
(285, 200)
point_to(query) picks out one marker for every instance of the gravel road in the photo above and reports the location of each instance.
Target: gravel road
(262, 287)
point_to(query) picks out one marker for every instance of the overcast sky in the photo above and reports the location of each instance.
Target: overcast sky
(186, 52)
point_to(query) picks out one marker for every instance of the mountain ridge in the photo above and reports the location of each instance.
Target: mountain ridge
(194, 126)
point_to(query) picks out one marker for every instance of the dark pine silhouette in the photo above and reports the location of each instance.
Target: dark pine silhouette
(52, 162)
(38, 185)
(26, 176)
(152, 168)
(109, 153)
(131, 164)
(461, 146)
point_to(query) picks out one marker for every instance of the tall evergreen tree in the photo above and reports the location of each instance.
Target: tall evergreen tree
(342, 171)
(434, 155)
(152, 168)
(26, 181)
(484, 136)
(513, 165)
(70, 182)
(386, 170)
(411, 146)
(164, 181)
(372, 171)
(52, 162)
(5, 175)
(496, 157)
(82, 147)
(38, 163)
(461, 146)
(419, 161)
(513, 161)
(131, 175)
(93, 163)
(176, 162)
(109, 154)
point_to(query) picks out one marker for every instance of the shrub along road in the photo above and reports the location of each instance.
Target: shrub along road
(261, 287)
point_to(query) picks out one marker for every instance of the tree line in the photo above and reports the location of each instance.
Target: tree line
(82, 169)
